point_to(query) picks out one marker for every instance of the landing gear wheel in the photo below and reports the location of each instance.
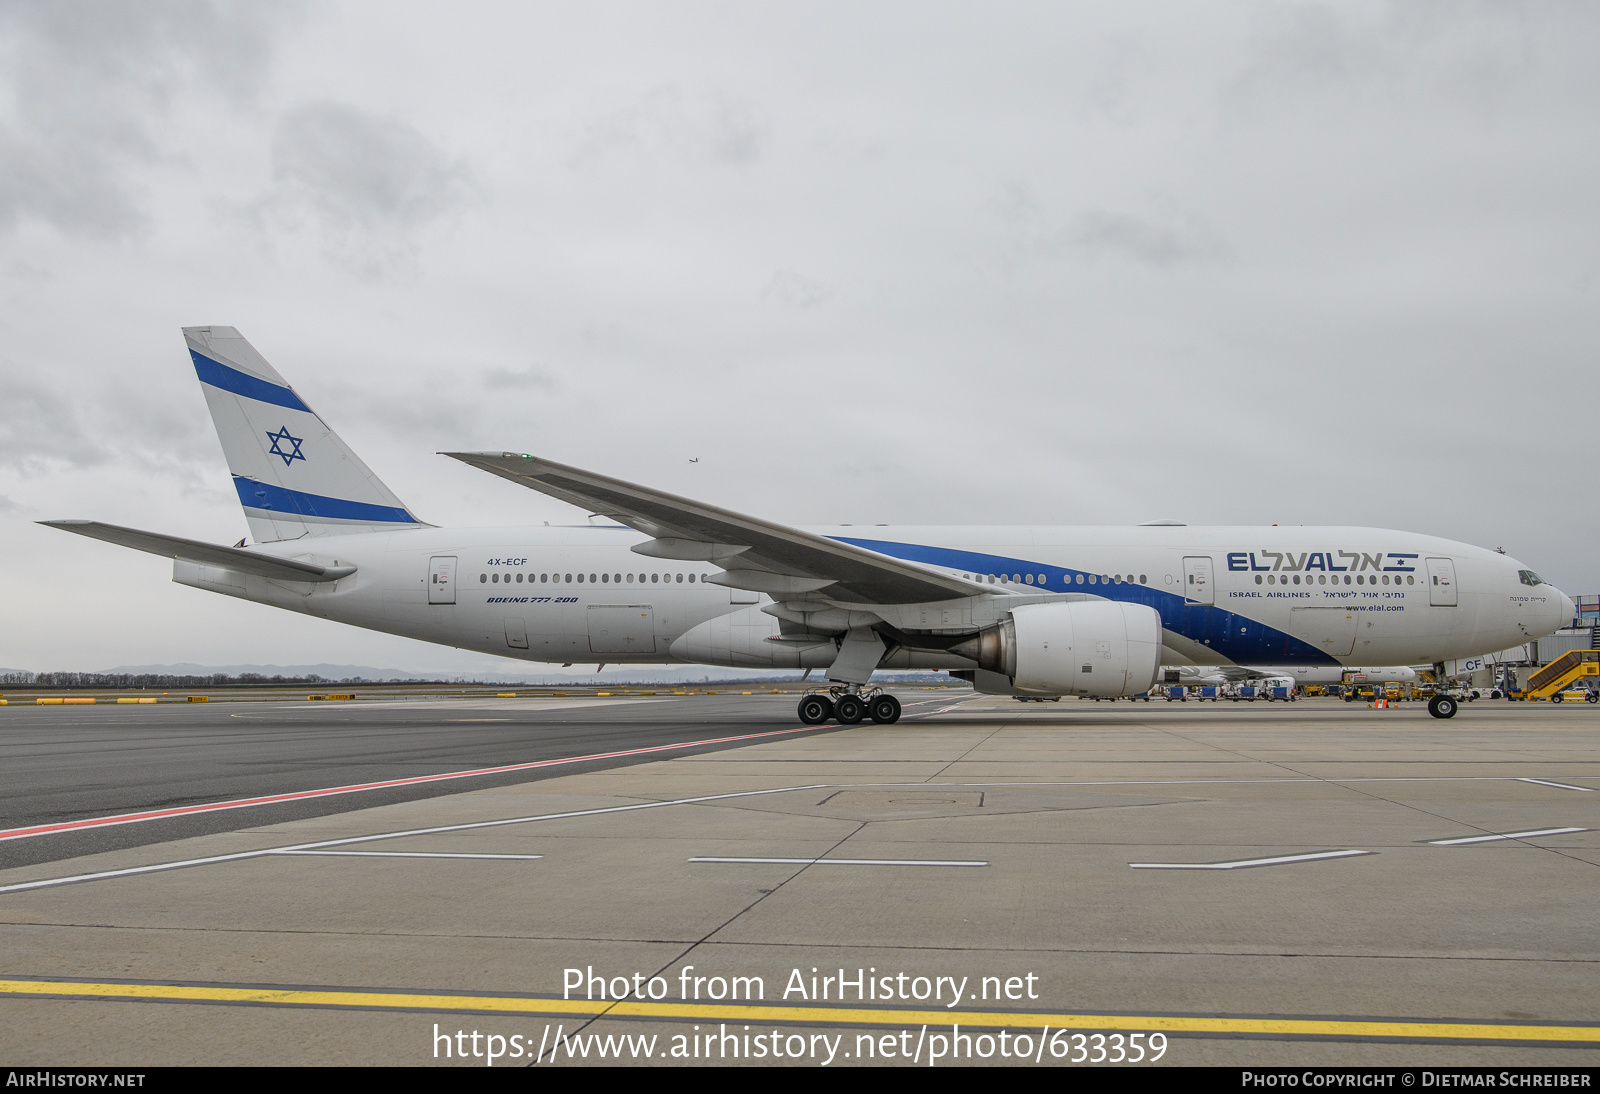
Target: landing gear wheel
(1442, 706)
(815, 709)
(849, 709)
(885, 710)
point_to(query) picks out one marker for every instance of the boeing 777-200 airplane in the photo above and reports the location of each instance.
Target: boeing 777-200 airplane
(1017, 610)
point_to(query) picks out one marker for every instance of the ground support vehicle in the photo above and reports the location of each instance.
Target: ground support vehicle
(1577, 670)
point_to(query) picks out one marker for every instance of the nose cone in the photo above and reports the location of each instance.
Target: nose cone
(1568, 610)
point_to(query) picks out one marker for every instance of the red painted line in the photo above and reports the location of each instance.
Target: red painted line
(302, 795)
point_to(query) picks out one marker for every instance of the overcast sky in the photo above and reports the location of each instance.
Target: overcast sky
(1026, 263)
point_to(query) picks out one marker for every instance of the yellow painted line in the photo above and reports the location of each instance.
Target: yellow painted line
(793, 1015)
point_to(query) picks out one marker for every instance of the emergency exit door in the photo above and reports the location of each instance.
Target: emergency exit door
(1197, 587)
(442, 580)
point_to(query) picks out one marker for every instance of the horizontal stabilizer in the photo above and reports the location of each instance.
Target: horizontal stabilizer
(206, 554)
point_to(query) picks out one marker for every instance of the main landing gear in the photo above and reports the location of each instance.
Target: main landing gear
(1442, 706)
(848, 705)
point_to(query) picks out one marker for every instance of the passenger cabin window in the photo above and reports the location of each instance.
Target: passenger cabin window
(483, 578)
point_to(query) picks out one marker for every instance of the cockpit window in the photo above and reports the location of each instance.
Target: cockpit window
(1530, 578)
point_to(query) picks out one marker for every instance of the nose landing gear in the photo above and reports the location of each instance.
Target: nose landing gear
(1442, 706)
(849, 704)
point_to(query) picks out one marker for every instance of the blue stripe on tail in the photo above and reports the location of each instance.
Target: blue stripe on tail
(275, 499)
(242, 383)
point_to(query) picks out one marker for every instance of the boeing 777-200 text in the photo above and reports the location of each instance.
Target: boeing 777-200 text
(1017, 610)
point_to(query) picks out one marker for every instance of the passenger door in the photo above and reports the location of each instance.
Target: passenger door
(1197, 580)
(1441, 583)
(442, 579)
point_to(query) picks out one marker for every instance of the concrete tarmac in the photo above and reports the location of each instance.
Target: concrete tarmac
(1038, 860)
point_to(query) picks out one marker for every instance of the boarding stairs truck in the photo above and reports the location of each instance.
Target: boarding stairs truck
(1565, 672)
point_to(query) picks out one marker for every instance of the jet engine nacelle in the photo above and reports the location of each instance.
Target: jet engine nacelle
(1090, 647)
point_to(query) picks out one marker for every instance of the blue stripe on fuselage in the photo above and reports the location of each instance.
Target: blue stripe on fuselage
(220, 375)
(1239, 638)
(275, 499)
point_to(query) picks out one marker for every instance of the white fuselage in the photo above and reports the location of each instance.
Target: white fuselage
(1246, 595)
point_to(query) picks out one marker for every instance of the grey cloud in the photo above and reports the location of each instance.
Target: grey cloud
(1472, 52)
(414, 411)
(87, 85)
(696, 129)
(41, 428)
(1100, 232)
(1031, 232)
(796, 290)
(519, 378)
(368, 182)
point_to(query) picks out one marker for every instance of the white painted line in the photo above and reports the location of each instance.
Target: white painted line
(846, 861)
(1558, 786)
(1505, 835)
(1243, 863)
(402, 854)
(159, 867)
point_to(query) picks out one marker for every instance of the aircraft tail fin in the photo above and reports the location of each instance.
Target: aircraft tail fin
(295, 477)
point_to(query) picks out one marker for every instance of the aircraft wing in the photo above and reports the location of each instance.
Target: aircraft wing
(206, 554)
(756, 554)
